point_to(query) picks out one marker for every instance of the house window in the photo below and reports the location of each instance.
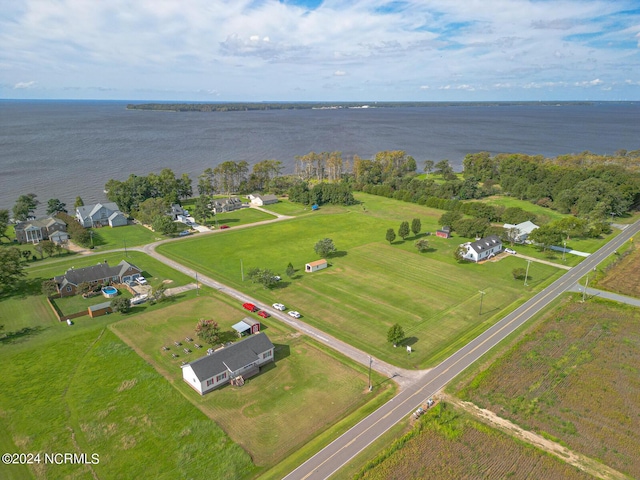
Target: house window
(68, 288)
(115, 279)
(222, 376)
(209, 382)
(267, 354)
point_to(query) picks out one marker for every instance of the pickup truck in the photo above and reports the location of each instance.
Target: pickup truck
(250, 306)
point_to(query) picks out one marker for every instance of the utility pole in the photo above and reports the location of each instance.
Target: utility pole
(526, 275)
(370, 362)
(124, 240)
(586, 285)
(242, 270)
(197, 289)
(564, 250)
(481, 297)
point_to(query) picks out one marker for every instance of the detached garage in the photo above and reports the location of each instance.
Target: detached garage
(315, 266)
(247, 326)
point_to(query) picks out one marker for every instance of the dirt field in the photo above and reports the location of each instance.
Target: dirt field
(574, 380)
(624, 277)
(451, 445)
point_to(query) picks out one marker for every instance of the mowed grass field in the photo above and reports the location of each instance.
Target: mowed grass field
(448, 444)
(307, 390)
(370, 285)
(107, 238)
(574, 378)
(80, 389)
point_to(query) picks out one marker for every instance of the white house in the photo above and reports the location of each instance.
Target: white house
(521, 231)
(315, 266)
(237, 361)
(100, 214)
(482, 249)
(261, 200)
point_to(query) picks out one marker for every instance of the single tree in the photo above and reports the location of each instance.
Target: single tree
(459, 253)
(55, 206)
(290, 270)
(83, 288)
(26, 254)
(78, 202)
(163, 224)
(428, 166)
(208, 331)
(121, 304)
(325, 247)
(391, 236)
(263, 276)
(403, 231)
(444, 169)
(422, 245)
(202, 212)
(416, 226)
(25, 206)
(49, 288)
(395, 335)
(519, 273)
(48, 246)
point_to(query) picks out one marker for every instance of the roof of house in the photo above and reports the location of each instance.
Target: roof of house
(268, 197)
(317, 262)
(93, 273)
(91, 210)
(524, 227)
(39, 223)
(232, 358)
(485, 243)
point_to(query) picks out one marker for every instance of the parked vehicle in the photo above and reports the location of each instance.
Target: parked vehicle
(277, 278)
(184, 233)
(294, 314)
(263, 314)
(510, 250)
(222, 227)
(250, 306)
(279, 306)
(141, 280)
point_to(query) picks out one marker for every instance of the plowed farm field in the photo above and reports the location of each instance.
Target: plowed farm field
(574, 379)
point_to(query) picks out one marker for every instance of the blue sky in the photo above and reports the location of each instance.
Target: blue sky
(313, 50)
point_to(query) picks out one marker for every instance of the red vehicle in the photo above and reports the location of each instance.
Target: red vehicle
(250, 306)
(263, 314)
(222, 227)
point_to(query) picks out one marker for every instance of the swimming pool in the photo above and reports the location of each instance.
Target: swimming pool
(109, 292)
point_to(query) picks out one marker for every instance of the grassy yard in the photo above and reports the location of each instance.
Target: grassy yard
(107, 238)
(285, 207)
(307, 390)
(544, 215)
(241, 217)
(370, 284)
(76, 303)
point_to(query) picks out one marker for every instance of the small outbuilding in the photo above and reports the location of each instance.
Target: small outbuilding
(100, 309)
(444, 232)
(315, 266)
(247, 326)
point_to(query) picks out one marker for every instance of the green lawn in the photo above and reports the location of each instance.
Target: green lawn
(285, 207)
(544, 215)
(76, 303)
(370, 284)
(107, 238)
(274, 413)
(241, 217)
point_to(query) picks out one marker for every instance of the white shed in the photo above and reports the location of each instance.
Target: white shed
(315, 266)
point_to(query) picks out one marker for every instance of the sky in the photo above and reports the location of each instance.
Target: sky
(314, 50)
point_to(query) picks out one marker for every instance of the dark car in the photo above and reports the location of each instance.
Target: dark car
(222, 227)
(263, 314)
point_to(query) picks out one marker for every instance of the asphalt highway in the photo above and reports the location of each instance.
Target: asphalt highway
(335, 455)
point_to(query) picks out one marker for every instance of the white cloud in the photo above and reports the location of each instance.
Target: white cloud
(23, 85)
(589, 83)
(424, 87)
(339, 73)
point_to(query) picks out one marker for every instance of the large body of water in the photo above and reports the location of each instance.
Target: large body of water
(59, 149)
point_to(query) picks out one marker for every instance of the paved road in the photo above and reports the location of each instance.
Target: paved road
(594, 292)
(342, 450)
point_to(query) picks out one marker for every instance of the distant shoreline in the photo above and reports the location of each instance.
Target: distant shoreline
(253, 106)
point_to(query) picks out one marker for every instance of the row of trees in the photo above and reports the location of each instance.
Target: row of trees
(321, 193)
(403, 230)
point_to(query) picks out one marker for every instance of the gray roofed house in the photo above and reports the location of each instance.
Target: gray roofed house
(34, 231)
(520, 232)
(240, 359)
(260, 200)
(101, 273)
(482, 249)
(100, 214)
(223, 205)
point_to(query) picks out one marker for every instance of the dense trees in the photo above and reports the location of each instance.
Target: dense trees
(150, 209)
(55, 206)
(263, 276)
(319, 166)
(321, 193)
(4, 222)
(163, 224)
(121, 304)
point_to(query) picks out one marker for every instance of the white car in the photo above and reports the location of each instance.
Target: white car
(279, 306)
(510, 250)
(294, 314)
(141, 280)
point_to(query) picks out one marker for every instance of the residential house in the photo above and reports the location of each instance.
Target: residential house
(34, 231)
(315, 266)
(520, 232)
(234, 363)
(100, 214)
(177, 212)
(261, 200)
(223, 205)
(99, 274)
(482, 249)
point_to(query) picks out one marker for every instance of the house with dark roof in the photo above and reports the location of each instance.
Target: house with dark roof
(482, 249)
(44, 228)
(99, 274)
(223, 205)
(100, 214)
(238, 361)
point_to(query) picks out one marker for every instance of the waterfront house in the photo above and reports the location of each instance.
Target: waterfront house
(34, 231)
(100, 214)
(100, 274)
